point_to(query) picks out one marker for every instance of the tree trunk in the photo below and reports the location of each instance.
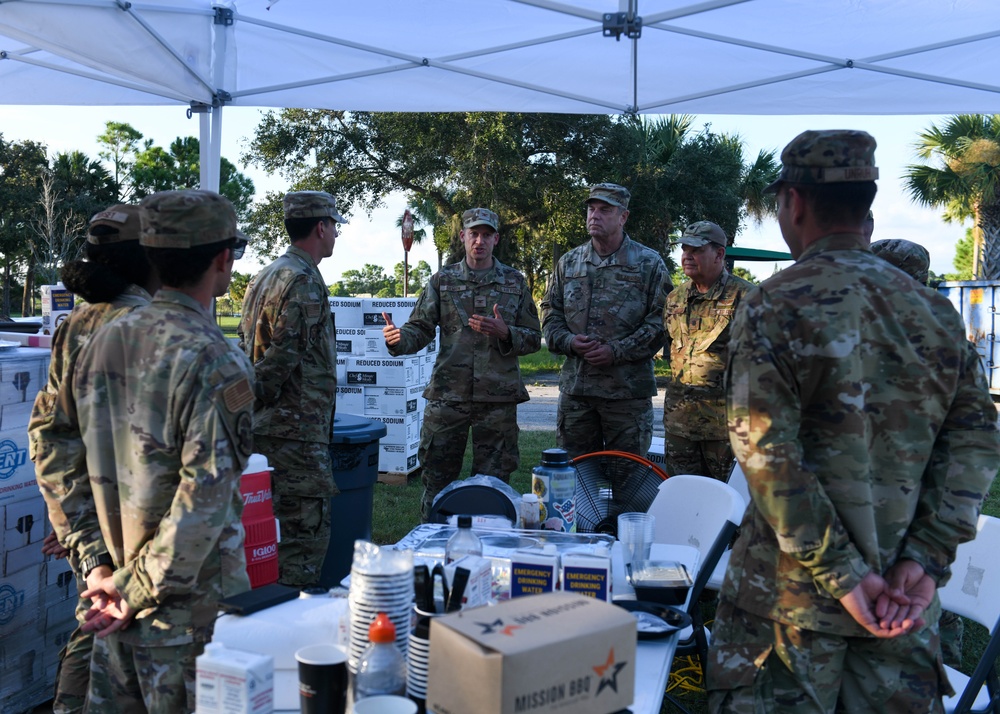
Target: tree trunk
(6, 289)
(989, 222)
(28, 298)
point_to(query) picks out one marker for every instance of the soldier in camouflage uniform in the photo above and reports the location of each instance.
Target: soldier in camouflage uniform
(164, 405)
(603, 310)
(861, 417)
(696, 318)
(487, 319)
(114, 279)
(287, 332)
(914, 260)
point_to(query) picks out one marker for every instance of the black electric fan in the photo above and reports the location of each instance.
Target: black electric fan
(612, 482)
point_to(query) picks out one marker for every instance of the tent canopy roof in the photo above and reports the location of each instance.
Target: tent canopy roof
(717, 56)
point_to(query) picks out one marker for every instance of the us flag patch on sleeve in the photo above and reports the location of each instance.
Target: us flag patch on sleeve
(238, 395)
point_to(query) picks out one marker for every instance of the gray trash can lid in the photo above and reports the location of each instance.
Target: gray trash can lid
(354, 429)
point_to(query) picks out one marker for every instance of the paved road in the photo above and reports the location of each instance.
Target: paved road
(539, 413)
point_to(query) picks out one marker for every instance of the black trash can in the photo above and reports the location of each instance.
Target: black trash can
(354, 456)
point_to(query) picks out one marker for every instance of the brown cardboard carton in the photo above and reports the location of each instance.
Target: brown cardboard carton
(542, 653)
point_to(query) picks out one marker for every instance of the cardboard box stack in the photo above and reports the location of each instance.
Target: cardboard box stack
(377, 386)
(37, 593)
(655, 453)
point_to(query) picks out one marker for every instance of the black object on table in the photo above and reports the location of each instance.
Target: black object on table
(655, 620)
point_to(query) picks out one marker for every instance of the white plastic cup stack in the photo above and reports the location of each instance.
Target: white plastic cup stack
(635, 531)
(381, 581)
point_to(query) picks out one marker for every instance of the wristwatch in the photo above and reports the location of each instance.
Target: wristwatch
(94, 561)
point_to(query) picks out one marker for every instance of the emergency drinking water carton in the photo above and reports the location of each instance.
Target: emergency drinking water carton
(534, 571)
(587, 574)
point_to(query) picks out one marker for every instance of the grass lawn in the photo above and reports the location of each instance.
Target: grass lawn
(396, 509)
(228, 324)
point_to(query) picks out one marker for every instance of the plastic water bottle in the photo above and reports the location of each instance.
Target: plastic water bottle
(464, 542)
(382, 669)
(554, 482)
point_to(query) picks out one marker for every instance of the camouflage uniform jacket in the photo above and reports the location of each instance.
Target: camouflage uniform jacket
(471, 366)
(697, 327)
(619, 300)
(165, 410)
(287, 332)
(860, 414)
(53, 433)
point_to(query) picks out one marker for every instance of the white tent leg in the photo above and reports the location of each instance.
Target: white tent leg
(204, 150)
(215, 155)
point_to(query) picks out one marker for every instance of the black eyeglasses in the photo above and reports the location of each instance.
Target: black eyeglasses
(238, 247)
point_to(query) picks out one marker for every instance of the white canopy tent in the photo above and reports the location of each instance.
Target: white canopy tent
(606, 56)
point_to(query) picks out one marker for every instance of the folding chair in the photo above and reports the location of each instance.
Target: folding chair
(974, 592)
(738, 480)
(701, 512)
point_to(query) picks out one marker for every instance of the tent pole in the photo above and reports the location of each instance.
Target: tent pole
(204, 149)
(215, 157)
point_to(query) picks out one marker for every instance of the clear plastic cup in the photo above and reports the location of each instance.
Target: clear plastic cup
(635, 531)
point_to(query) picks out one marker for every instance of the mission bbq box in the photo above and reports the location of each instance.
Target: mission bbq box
(555, 652)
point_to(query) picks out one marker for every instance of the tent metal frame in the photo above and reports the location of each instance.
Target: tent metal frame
(225, 21)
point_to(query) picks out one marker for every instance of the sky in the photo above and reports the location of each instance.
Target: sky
(376, 239)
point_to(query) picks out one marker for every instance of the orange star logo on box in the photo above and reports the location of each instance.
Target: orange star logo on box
(608, 672)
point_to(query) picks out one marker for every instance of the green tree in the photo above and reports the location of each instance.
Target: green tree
(238, 287)
(58, 238)
(741, 272)
(22, 164)
(964, 180)
(419, 275)
(370, 280)
(532, 169)
(119, 146)
(179, 167)
(678, 178)
(85, 185)
(339, 289)
(425, 211)
(140, 168)
(964, 252)
(523, 166)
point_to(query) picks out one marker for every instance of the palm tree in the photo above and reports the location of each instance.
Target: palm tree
(680, 177)
(966, 183)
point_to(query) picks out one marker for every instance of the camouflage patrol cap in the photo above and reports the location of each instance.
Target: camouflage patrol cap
(833, 156)
(610, 193)
(481, 217)
(703, 233)
(311, 204)
(117, 224)
(185, 219)
(912, 258)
